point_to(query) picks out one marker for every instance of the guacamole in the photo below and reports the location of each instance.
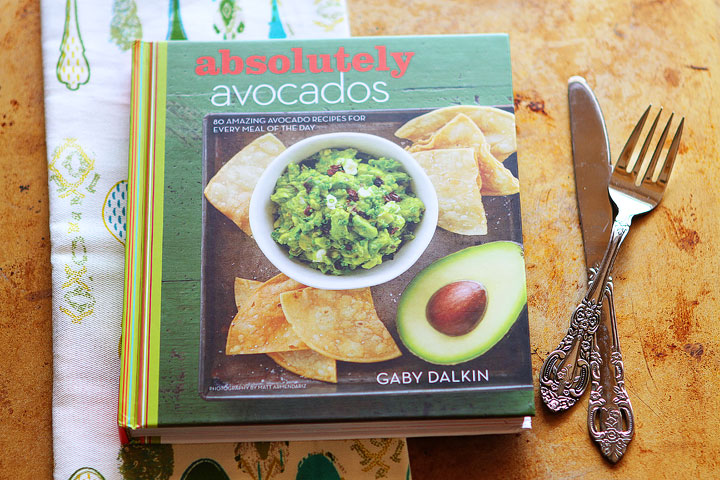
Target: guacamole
(341, 209)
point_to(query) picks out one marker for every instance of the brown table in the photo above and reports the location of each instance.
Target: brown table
(632, 53)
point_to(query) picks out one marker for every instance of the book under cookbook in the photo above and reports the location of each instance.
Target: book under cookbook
(324, 241)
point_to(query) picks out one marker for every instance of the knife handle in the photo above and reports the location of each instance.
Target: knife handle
(611, 422)
(565, 374)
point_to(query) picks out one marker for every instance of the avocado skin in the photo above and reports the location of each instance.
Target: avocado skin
(500, 267)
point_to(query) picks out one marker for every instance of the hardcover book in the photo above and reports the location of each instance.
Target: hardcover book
(324, 241)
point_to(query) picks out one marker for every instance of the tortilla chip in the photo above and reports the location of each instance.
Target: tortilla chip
(496, 179)
(232, 186)
(260, 325)
(340, 324)
(454, 174)
(308, 364)
(461, 132)
(497, 125)
(243, 289)
(305, 363)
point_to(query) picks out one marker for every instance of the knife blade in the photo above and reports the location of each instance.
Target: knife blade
(592, 164)
(610, 416)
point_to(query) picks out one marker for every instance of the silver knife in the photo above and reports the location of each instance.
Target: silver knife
(610, 415)
(566, 372)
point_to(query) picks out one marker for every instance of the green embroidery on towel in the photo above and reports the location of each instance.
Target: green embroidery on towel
(79, 301)
(176, 31)
(373, 452)
(86, 473)
(72, 68)
(69, 168)
(261, 460)
(229, 20)
(330, 14)
(125, 26)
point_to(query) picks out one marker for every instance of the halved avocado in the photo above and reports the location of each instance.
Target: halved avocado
(499, 267)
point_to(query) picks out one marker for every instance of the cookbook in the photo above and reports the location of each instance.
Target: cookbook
(324, 241)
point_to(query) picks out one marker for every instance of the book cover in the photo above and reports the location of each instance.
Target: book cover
(324, 232)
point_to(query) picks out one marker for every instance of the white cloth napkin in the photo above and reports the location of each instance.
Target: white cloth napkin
(86, 50)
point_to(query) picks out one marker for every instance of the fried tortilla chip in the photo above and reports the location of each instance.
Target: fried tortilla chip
(340, 324)
(461, 132)
(232, 186)
(305, 363)
(496, 179)
(308, 364)
(497, 125)
(454, 174)
(260, 325)
(243, 289)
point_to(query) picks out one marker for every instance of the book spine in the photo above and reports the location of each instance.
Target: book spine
(139, 343)
(154, 237)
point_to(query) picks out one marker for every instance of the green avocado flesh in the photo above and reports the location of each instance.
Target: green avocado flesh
(341, 210)
(499, 267)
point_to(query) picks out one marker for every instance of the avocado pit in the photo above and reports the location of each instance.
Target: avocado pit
(457, 308)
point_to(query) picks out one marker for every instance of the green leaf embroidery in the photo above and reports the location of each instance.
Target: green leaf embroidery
(176, 31)
(86, 473)
(125, 26)
(229, 20)
(261, 460)
(72, 68)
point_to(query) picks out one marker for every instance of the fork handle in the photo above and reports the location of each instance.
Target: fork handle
(611, 422)
(565, 374)
(620, 229)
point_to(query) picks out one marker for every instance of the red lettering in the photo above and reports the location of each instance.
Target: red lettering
(206, 66)
(402, 59)
(298, 60)
(340, 57)
(256, 65)
(227, 60)
(363, 62)
(279, 64)
(313, 59)
(382, 58)
(283, 61)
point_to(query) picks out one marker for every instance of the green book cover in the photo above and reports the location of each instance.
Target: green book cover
(323, 231)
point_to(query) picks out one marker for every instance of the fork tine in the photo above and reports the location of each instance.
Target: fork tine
(646, 145)
(672, 153)
(658, 149)
(632, 140)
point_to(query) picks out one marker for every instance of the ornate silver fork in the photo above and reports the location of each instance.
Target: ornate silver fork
(562, 386)
(635, 189)
(634, 192)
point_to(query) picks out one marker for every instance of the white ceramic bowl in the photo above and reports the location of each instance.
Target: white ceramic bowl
(261, 213)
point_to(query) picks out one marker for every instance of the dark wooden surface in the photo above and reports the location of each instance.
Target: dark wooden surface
(632, 53)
